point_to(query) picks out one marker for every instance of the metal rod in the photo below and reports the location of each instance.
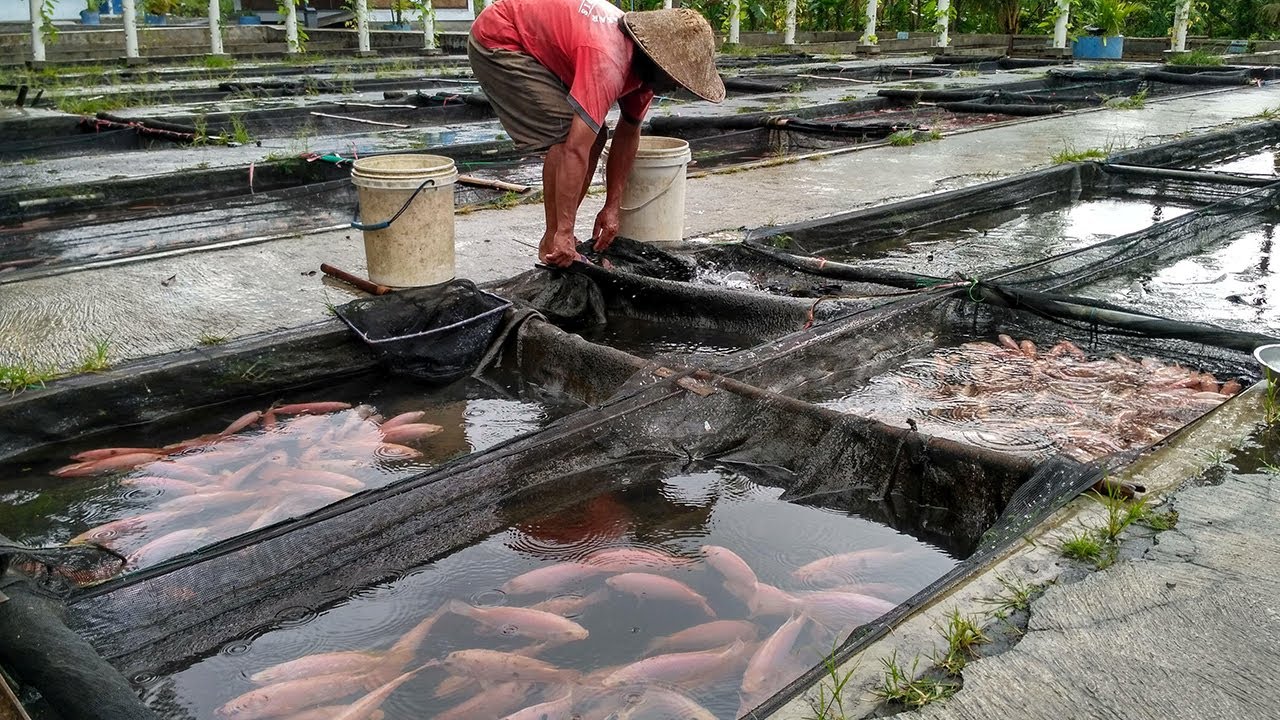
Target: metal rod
(361, 120)
(1218, 178)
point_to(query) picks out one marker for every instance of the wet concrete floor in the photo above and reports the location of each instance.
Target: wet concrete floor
(164, 304)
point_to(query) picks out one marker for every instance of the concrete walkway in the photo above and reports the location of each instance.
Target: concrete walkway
(164, 304)
(1191, 629)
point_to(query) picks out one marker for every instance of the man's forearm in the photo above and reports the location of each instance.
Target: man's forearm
(571, 174)
(622, 156)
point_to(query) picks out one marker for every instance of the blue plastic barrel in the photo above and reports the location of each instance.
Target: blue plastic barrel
(1097, 47)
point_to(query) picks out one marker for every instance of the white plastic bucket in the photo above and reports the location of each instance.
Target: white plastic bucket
(416, 249)
(653, 204)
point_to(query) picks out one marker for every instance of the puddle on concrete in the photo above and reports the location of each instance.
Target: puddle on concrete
(656, 524)
(1033, 401)
(647, 339)
(264, 474)
(979, 245)
(1235, 285)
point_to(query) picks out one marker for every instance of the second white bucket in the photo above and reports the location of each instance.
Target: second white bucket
(653, 204)
(417, 248)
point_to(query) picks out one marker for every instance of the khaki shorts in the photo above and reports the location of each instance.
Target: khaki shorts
(531, 101)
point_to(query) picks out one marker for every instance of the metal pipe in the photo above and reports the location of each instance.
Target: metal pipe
(37, 26)
(869, 32)
(1217, 178)
(291, 26)
(1181, 18)
(362, 25)
(735, 22)
(130, 29)
(943, 23)
(789, 29)
(215, 29)
(1060, 24)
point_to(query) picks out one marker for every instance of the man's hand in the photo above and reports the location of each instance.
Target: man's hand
(606, 228)
(564, 249)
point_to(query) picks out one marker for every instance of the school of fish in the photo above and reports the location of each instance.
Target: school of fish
(265, 467)
(754, 642)
(1015, 397)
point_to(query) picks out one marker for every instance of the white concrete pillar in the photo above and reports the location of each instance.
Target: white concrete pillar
(487, 3)
(869, 32)
(735, 21)
(943, 25)
(1060, 25)
(666, 4)
(789, 29)
(37, 24)
(215, 27)
(130, 17)
(1181, 18)
(291, 26)
(428, 26)
(362, 25)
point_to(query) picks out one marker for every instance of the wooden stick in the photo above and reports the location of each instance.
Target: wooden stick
(355, 280)
(377, 105)
(360, 120)
(496, 184)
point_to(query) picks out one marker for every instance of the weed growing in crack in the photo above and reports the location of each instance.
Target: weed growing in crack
(963, 637)
(1016, 596)
(1085, 546)
(23, 375)
(1136, 101)
(902, 686)
(96, 360)
(1070, 154)
(903, 138)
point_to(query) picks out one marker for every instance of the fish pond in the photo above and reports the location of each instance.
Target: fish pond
(154, 492)
(1003, 238)
(691, 593)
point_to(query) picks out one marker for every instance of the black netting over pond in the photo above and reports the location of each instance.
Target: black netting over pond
(942, 412)
(943, 493)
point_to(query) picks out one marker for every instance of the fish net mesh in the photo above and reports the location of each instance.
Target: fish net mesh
(775, 407)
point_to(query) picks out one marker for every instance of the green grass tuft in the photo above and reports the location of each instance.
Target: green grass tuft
(1085, 546)
(209, 339)
(902, 686)
(96, 360)
(903, 138)
(1070, 154)
(1136, 101)
(218, 62)
(1196, 57)
(16, 377)
(1016, 596)
(963, 637)
(829, 705)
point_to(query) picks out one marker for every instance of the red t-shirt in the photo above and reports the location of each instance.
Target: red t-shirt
(581, 41)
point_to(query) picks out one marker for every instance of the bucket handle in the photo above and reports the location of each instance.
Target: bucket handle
(355, 215)
(680, 170)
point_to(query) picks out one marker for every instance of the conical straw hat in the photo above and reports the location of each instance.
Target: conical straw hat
(680, 43)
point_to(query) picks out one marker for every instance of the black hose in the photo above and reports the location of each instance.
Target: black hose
(753, 86)
(1018, 109)
(1216, 178)
(915, 96)
(844, 271)
(1105, 314)
(1209, 79)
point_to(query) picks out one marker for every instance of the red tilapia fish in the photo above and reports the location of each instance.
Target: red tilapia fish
(1014, 396)
(264, 467)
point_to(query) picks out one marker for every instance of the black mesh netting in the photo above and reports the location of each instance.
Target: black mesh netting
(436, 333)
(785, 410)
